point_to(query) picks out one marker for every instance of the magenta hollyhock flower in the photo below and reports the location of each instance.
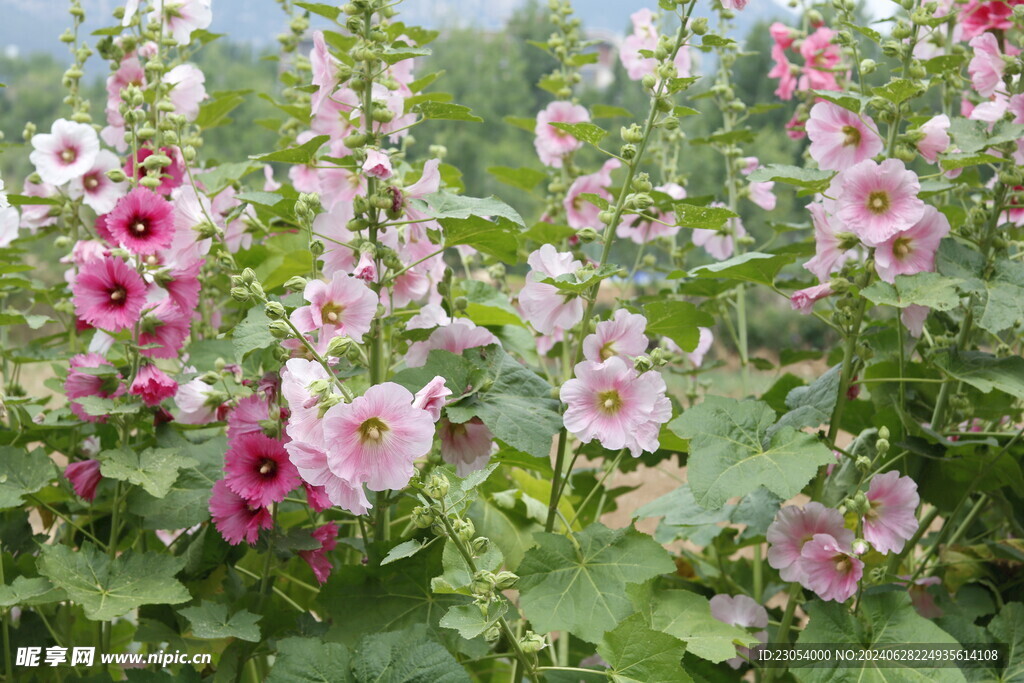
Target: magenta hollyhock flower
(167, 326)
(891, 521)
(719, 243)
(793, 527)
(311, 462)
(325, 71)
(316, 496)
(641, 230)
(840, 138)
(616, 405)
(936, 137)
(581, 213)
(235, 518)
(912, 251)
(742, 611)
(68, 151)
(377, 165)
(876, 201)
(182, 17)
(466, 445)
(803, 300)
(821, 58)
(142, 221)
(545, 307)
(153, 385)
(376, 438)
(343, 306)
(258, 469)
(987, 66)
(187, 89)
(182, 285)
(173, 176)
(782, 35)
(553, 145)
(978, 16)
(97, 191)
(829, 253)
(460, 335)
(109, 294)
(829, 569)
(246, 416)
(431, 397)
(317, 559)
(84, 477)
(621, 336)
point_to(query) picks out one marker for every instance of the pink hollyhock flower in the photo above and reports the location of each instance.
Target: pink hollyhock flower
(182, 17)
(546, 307)
(782, 35)
(376, 438)
(197, 402)
(153, 385)
(317, 559)
(431, 398)
(581, 213)
(621, 336)
(760, 193)
(9, 226)
(311, 463)
(742, 611)
(297, 376)
(338, 257)
(736, 5)
(645, 37)
(366, 269)
(68, 151)
(876, 201)
(377, 165)
(109, 294)
(912, 251)
(920, 598)
(821, 58)
(466, 445)
(696, 357)
(343, 306)
(167, 326)
(553, 145)
(913, 318)
(142, 221)
(936, 137)
(793, 527)
(616, 405)
(258, 469)
(719, 243)
(829, 569)
(187, 89)
(316, 496)
(891, 521)
(235, 518)
(840, 138)
(431, 315)
(81, 384)
(978, 16)
(462, 334)
(245, 417)
(987, 66)
(803, 300)
(783, 70)
(99, 192)
(340, 185)
(325, 71)
(182, 285)
(84, 477)
(173, 175)
(829, 253)
(37, 216)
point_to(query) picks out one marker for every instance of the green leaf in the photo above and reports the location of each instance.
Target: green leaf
(1008, 627)
(215, 112)
(99, 407)
(23, 473)
(329, 11)
(589, 133)
(712, 40)
(888, 619)
(154, 469)
(732, 452)
(446, 111)
(701, 217)
(687, 616)
(811, 405)
(954, 160)
(984, 371)
(521, 122)
(28, 592)
(225, 174)
(186, 503)
(579, 585)
(26, 200)
(637, 654)
(108, 588)
(470, 621)
(525, 179)
(750, 267)
(681, 111)
(677, 320)
(252, 333)
(607, 111)
(1002, 307)
(303, 154)
(811, 179)
(403, 550)
(849, 101)
(310, 660)
(446, 205)
(495, 238)
(486, 305)
(210, 620)
(407, 656)
(571, 283)
(898, 90)
(922, 289)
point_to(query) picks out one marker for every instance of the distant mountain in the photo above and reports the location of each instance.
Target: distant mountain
(34, 25)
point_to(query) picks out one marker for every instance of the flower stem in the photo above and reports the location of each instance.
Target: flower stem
(782, 635)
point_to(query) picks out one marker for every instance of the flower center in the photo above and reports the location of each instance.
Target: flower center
(268, 467)
(608, 350)
(91, 182)
(69, 155)
(901, 248)
(851, 136)
(152, 260)
(331, 313)
(878, 202)
(609, 401)
(372, 430)
(139, 227)
(843, 564)
(118, 294)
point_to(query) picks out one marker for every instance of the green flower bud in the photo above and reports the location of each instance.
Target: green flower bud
(649, 81)
(587, 235)
(296, 282)
(699, 25)
(480, 545)
(116, 175)
(340, 346)
(606, 216)
(464, 529)
(531, 642)
(437, 486)
(504, 580)
(859, 546)
(642, 363)
(422, 517)
(882, 446)
(483, 583)
(240, 295)
(275, 311)
(151, 183)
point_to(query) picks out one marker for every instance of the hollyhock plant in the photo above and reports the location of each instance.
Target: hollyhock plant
(235, 518)
(554, 145)
(793, 527)
(84, 476)
(182, 17)
(317, 559)
(840, 138)
(829, 569)
(460, 335)
(581, 213)
(431, 397)
(760, 192)
(987, 66)
(187, 89)
(99, 192)
(163, 330)
(81, 384)
(614, 404)
(742, 611)
(109, 294)
(544, 305)
(876, 201)
(153, 385)
(375, 438)
(719, 243)
(343, 306)
(310, 461)
(890, 521)
(67, 152)
(913, 250)
(142, 221)
(258, 469)
(466, 445)
(621, 336)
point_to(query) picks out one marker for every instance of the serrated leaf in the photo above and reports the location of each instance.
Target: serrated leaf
(447, 112)
(154, 469)
(1008, 627)
(607, 111)
(470, 621)
(581, 587)
(984, 371)
(635, 653)
(590, 133)
(407, 656)
(811, 405)
(328, 11)
(303, 154)
(310, 660)
(955, 160)
(210, 620)
(571, 282)
(495, 237)
(28, 592)
(898, 90)
(701, 217)
(678, 320)
(23, 473)
(108, 588)
(687, 616)
(252, 333)
(446, 205)
(849, 101)
(752, 266)
(214, 112)
(921, 289)
(811, 179)
(403, 550)
(186, 503)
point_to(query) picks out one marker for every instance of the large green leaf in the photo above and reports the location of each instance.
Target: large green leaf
(985, 371)
(1008, 627)
(310, 660)
(108, 588)
(496, 237)
(447, 205)
(470, 620)
(524, 178)
(808, 178)
(186, 502)
(25, 592)
(446, 111)
(701, 217)
(750, 267)
(687, 616)
(407, 656)
(579, 585)
(211, 620)
(590, 133)
(635, 653)
(154, 469)
(732, 452)
(811, 405)
(922, 289)
(22, 473)
(677, 320)
(252, 333)
(303, 154)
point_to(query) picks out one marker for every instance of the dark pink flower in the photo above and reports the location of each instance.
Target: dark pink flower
(81, 384)
(979, 16)
(235, 518)
(167, 326)
(142, 221)
(317, 559)
(153, 385)
(829, 569)
(316, 497)
(84, 477)
(258, 469)
(109, 294)
(173, 175)
(245, 418)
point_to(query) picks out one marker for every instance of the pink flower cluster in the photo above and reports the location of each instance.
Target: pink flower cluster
(820, 56)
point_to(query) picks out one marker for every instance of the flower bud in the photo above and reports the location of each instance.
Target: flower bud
(422, 517)
(531, 642)
(699, 25)
(480, 545)
(240, 294)
(275, 311)
(642, 363)
(868, 66)
(492, 633)
(882, 446)
(340, 346)
(588, 234)
(296, 282)
(649, 81)
(631, 134)
(316, 247)
(627, 151)
(437, 486)
(504, 580)
(863, 463)
(464, 529)
(859, 546)
(483, 583)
